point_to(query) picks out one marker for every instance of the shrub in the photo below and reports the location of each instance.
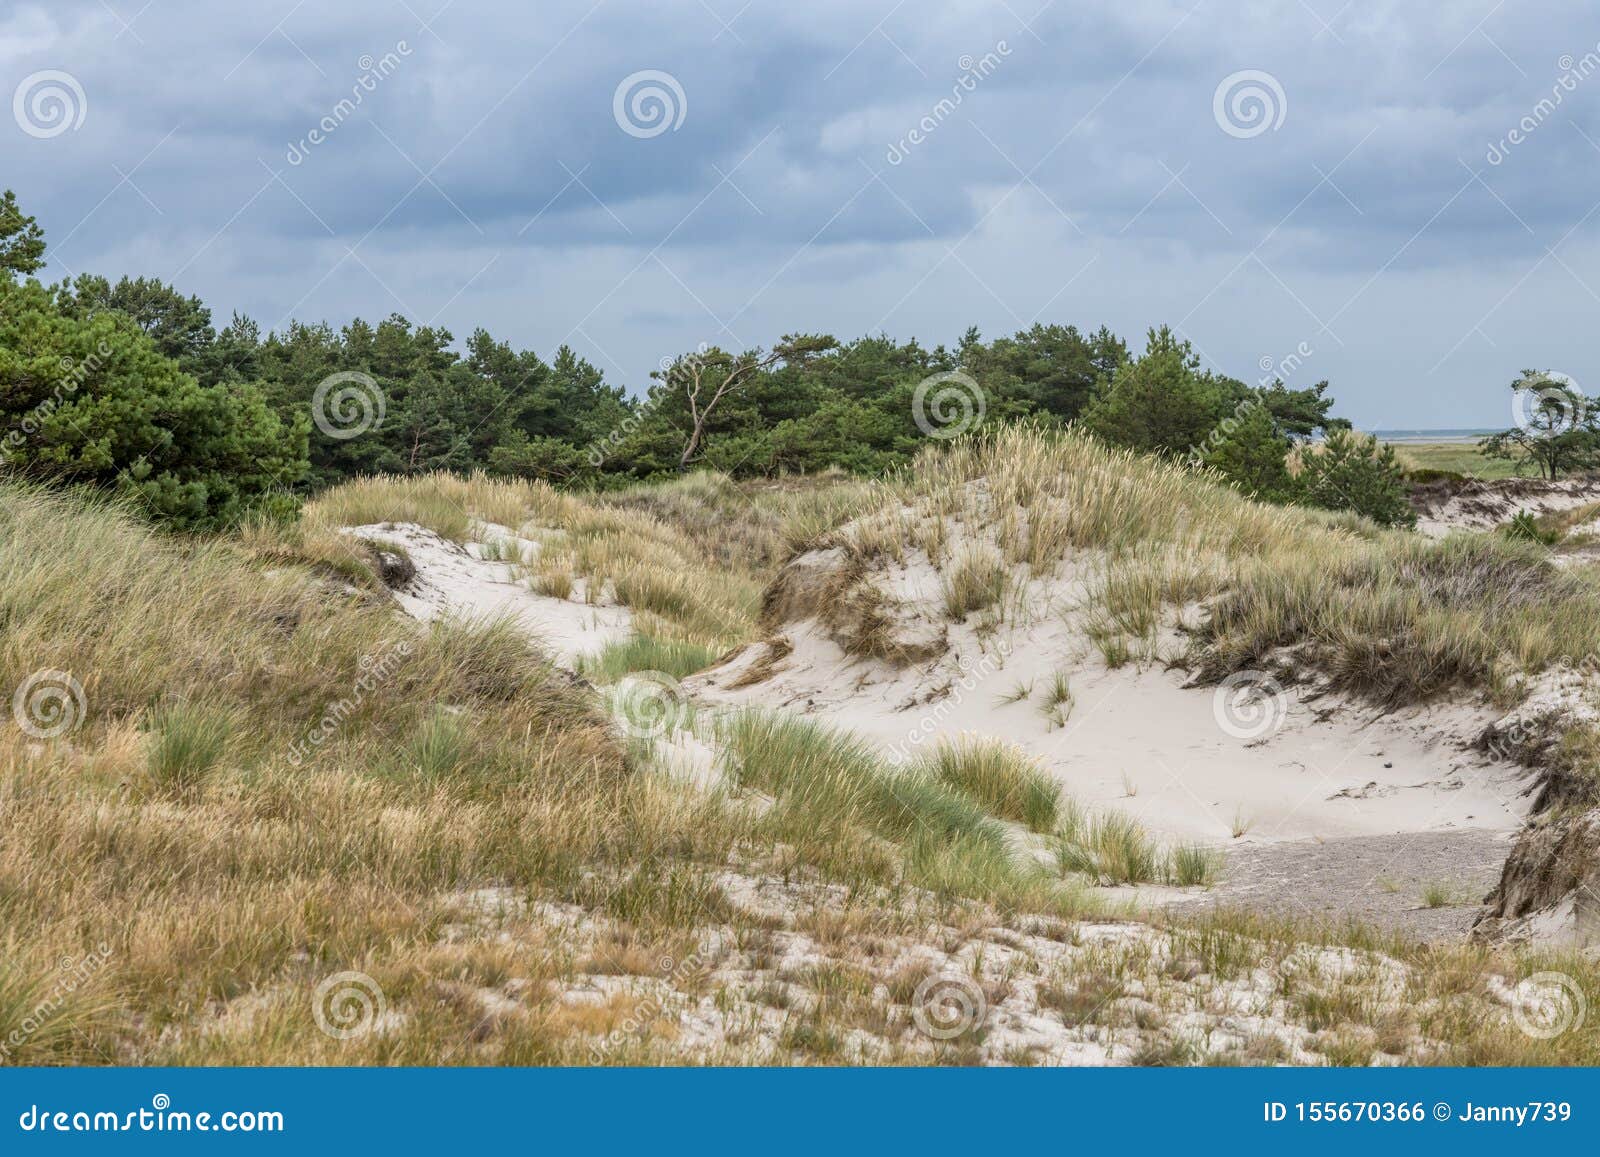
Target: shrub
(90, 399)
(1352, 472)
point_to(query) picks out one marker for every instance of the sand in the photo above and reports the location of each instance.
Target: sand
(1485, 505)
(456, 580)
(1325, 806)
(1186, 762)
(1321, 803)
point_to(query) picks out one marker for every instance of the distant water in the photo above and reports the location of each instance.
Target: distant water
(1463, 435)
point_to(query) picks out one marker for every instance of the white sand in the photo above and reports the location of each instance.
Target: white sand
(1137, 739)
(454, 580)
(1484, 505)
(1143, 731)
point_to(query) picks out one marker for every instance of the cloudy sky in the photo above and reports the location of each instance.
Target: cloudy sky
(1404, 202)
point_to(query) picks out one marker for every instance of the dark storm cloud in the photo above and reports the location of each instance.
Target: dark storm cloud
(833, 170)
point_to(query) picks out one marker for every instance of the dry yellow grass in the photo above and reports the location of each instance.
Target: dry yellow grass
(272, 779)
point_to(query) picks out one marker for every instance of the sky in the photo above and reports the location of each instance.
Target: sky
(1402, 200)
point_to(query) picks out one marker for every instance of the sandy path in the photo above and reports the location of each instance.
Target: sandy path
(1378, 880)
(453, 579)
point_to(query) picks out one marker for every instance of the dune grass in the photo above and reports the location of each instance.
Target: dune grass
(274, 778)
(1382, 613)
(836, 799)
(641, 652)
(271, 779)
(974, 581)
(999, 777)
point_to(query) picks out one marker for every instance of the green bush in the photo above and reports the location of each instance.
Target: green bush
(90, 400)
(1352, 472)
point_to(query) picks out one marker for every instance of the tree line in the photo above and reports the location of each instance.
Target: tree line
(132, 386)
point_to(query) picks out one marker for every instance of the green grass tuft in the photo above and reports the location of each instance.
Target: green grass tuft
(1000, 777)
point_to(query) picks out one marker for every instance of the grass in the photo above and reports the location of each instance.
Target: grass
(1385, 614)
(1058, 700)
(1194, 865)
(642, 652)
(999, 777)
(1440, 894)
(837, 803)
(1111, 848)
(1021, 691)
(185, 744)
(637, 546)
(1462, 458)
(976, 580)
(276, 779)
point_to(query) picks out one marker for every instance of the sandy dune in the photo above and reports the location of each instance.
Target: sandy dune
(1140, 741)
(453, 579)
(1326, 806)
(1484, 505)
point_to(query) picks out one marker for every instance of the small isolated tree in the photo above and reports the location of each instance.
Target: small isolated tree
(704, 380)
(1352, 472)
(1252, 455)
(1557, 429)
